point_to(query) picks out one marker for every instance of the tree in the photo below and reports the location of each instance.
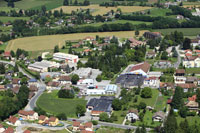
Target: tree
(40, 58)
(75, 2)
(177, 101)
(16, 68)
(99, 78)
(12, 53)
(137, 32)
(11, 3)
(103, 117)
(62, 116)
(141, 116)
(65, 93)
(43, 8)
(170, 125)
(24, 81)
(80, 64)
(75, 79)
(164, 55)
(198, 96)
(70, 50)
(95, 122)
(183, 112)
(116, 104)
(80, 110)
(146, 93)
(66, 2)
(142, 105)
(2, 69)
(184, 126)
(186, 44)
(56, 49)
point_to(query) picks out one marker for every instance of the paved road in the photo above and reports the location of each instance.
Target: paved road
(176, 65)
(8, 62)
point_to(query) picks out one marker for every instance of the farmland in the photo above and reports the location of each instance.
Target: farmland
(39, 43)
(98, 10)
(54, 105)
(186, 31)
(11, 19)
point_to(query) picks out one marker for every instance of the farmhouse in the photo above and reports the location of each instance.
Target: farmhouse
(53, 121)
(133, 42)
(43, 66)
(65, 57)
(28, 115)
(42, 119)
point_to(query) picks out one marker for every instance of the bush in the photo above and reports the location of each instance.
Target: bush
(146, 93)
(65, 94)
(99, 78)
(62, 116)
(95, 122)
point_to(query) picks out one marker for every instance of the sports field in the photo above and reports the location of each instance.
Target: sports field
(54, 105)
(96, 9)
(39, 43)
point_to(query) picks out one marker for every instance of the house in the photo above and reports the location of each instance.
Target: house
(163, 64)
(191, 61)
(179, 76)
(53, 85)
(107, 39)
(187, 86)
(153, 82)
(88, 40)
(16, 81)
(7, 55)
(85, 131)
(12, 120)
(42, 119)
(15, 89)
(158, 116)
(2, 88)
(111, 89)
(154, 74)
(33, 88)
(152, 35)
(53, 121)
(76, 125)
(88, 126)
(28, 115)
(83, 73)
(33, 81)
(43, 66)
(192, 105)
(98, 106)
(195, 42)
(27, 131)
(132, 115)
(192, 80)
(65, 79)
(166, 85)
(180, 17)
(141, 68)
(151, 54)
(2, 129)
(65, 57)
(31, 94)
(133, 42)
(193, 98)
(9, 130)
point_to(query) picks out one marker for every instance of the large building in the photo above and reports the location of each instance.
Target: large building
(83, 73)
(141, 68)
(66, 57)
(43, 66)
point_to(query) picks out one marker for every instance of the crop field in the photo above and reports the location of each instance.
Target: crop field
(39, 43)
(186, 31)
(118, 22)
(6, 19)
(54, 105)
(98, 10)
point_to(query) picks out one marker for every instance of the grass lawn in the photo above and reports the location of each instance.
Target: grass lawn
(110, 130)
(3, 46)
(48, 42)
(191, 119)
(118, 22)
(193, 70)
(54, 105)
(100, 10)
(6, 19)
(6, 9)
(159, 12)
(186, 31)
(147, 120)
(120, 118)
(5, 29)
(161, 103)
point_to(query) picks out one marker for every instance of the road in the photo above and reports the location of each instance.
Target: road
(176, 65)
(7, 62)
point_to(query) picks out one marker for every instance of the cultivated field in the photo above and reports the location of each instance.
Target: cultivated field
(39, 43)
(96, 9)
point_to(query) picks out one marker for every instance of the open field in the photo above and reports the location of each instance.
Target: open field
(186, 31)
(54, 105)
(193, 70)
(159, 12)
(191, 4)
(118, 22)
(96, 9)
(6, 19)
(110, 130)
(39, 43)
(6, 9)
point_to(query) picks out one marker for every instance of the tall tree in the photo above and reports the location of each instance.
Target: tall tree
(186, 44)
(170, 125)
(66, 2)
(177, 101)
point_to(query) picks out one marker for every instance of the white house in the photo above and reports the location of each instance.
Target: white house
(111, 89)
(2, 129)
(158, 116)
(179, 79)
(141, 68)
(13, 121)
(152, 82)
(28, 115)
(132, 115)
(65, 57)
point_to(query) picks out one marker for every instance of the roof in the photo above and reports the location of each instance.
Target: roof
(193, 98)
(16, 80)
(191, 79)
(192, 104)
(111, 87)
(12, 119)
(190, 58)
(188, 54)
(9, 130)
(187, 85)
(135, 111)
(169, 101)
(26, 113)
(2, 87)
(15, 89)
(85, 131)
(27, 131)
(33, 80)
(143, 66)
(166, 84)
(96, 112)
(159, 114)
(1, 126)
(52, 119)
(88, 124)
(76, 124)
(65, 78)
(33, 88)
(81, 127)
(180, 70)
(7, 54)
(53, 84)
(42, 117)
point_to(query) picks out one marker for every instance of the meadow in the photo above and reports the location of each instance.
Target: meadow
(11, 19)
(39, 43)
(98, 10)
(54, 105)
(186, 31)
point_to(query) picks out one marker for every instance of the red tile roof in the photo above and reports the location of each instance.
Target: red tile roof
(26, 113)
(52, 119)
(144, 66)
(27, 131)
(12, 119)
(42, 117)
(7, 54)
(76, 124)
(193, 98)
(88, 124)
(9, 130)
(180, 71)
(187, 85)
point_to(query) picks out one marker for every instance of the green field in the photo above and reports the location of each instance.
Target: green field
(118, 22)
(191, 119)
(11, 19)
(3, 46)
(158, 12)
(186, 31)
(54, 105)
(193, 70)
(110, 130)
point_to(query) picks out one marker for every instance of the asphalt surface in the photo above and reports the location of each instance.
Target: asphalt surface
(176, 65)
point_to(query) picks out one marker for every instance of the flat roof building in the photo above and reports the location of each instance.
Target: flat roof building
(83, 73)
(65, 57)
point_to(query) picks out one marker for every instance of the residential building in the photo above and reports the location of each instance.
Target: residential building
(192, 105)
(152, 82)
(151, 54)
(9, 130)
(187, 86)
(64, 79)
(53, 121)
(87, 82)
(16, 81)
(2, 88)
(43, 66)
(152, 35)
(2, 129)
(133, 42)
(76, 125)
(166, 85)
(193, 80)
(12, 120)
(141, 68)
(83, 73)
(33, 81)
(158, 116)
(191, 61)
(53, 85)
(7, 55)
(154, 74)
(27, 131)
(195, 42)
(98, 106)
(132, 115)
(65, 57)
(28, 115)
(42, 119)
(180, 17)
